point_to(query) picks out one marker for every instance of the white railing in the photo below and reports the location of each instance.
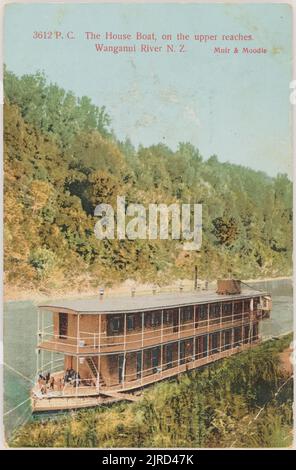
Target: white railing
(96, 341)
(153, 373)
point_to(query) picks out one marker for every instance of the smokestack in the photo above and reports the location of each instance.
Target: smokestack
(133, 291)
(154, 289)
(195, 277)
(101, 292)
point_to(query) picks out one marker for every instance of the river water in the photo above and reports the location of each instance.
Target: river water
(20, 327)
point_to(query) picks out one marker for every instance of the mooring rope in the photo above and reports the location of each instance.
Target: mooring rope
(23, 416)
(18, 373)
(252, 287)
(17, 406)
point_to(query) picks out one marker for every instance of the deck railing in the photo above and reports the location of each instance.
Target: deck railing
(94, 342)
(87, 387)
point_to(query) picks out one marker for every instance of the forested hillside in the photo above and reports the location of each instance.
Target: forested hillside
(62, 158)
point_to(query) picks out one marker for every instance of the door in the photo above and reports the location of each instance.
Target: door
(175, 320)
(202, 346)
(214, 343)
(182, 352)
(155, 359)
(121, 367)
(169, 356)
(139, 364)
(227, 339)
(63, 325)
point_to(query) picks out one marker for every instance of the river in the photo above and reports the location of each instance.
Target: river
(20, 326)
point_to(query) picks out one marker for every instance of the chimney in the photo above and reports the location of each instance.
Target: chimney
(133, 291)
(154, 289)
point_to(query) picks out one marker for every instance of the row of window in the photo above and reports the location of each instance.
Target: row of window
(171, 316)
(185, 351)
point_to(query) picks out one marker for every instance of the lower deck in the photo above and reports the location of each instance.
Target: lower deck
(91, 392)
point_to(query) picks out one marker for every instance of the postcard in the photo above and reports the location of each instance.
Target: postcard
(148, 226)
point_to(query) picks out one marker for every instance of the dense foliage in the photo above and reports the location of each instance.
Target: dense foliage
(242, 401)
(62, 159)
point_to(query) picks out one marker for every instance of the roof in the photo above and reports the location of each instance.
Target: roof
(146, 302)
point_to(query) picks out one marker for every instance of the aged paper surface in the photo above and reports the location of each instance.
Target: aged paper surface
(148, 225)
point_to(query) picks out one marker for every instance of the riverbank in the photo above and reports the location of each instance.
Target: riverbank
(14, 293)
(172, 413)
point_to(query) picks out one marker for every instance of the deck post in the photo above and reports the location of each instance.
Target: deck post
(220, 345)
(208, 332)
(232, 328)
(161, 344)
(124, 332)
(77, 351)
(99, 358)
(142, 357)
(38, 337)
(243, 317)
(123, 369)
(179, 336)
(76, 381)
(78, 333)
(41, 336)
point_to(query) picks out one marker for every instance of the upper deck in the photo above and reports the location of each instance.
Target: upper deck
(95, 326)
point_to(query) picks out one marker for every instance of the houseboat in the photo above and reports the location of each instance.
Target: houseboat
(90, 351)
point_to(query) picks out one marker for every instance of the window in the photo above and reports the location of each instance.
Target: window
(152, 319)
(130, 322)
(255, 332)
(227, 308)
(201, 315)
(187, 313)
(201, 346)
(63, 325)
(115, 324)
(202, 311)
(215, 309)
(226, 312)
(167, 316)
(182, 352)
(246, 334)
(214, 313)
(226, 339)
(237, 336)
(237, 308)
(246, 305)
(169, 355)
(147, 319)
(214, 343)
(155, 359)
(156, 318)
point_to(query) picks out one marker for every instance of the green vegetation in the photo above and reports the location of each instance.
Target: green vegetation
(231, 403)
(62, 159)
